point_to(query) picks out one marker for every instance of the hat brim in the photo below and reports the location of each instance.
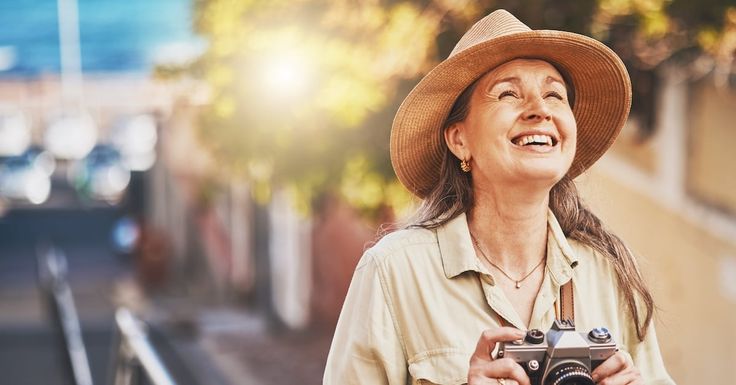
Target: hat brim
(599, 78)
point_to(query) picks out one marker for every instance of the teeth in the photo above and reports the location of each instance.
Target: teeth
(526, 139)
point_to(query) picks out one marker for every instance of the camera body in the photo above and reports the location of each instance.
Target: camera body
(562, 356)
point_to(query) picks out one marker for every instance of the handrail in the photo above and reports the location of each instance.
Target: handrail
(134, 348)
(52, 268)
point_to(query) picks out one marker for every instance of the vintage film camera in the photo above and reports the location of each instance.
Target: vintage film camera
(562, 356)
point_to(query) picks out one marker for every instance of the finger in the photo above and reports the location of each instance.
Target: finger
(614, 364)
(489, 338)
(479, 375)
(629, 376)
(503, 381)
(488, 381)
(505, 368)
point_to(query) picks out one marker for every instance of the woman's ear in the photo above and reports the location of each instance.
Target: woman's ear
(456, 140)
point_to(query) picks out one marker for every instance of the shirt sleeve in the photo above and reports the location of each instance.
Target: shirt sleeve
(645, 354)
(366, 348)
(648, 359)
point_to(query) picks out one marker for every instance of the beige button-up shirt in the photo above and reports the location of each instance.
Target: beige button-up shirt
(419, 300)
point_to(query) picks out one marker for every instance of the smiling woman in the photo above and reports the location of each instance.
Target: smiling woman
(502, 247)
(519, 126)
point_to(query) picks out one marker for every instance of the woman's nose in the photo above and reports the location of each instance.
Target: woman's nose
(537, 110)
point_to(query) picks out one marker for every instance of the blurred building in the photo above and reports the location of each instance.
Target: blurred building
(671, 196)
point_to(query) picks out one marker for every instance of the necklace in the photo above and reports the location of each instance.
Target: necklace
(517, 281)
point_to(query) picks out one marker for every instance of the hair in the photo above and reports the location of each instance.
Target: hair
(453, 195)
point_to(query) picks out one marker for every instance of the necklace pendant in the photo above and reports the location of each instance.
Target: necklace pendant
(518, 284)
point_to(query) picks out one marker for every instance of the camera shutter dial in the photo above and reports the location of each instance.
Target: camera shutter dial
(600, 335)
(534, 336)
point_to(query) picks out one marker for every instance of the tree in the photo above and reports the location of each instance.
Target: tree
(303, 91)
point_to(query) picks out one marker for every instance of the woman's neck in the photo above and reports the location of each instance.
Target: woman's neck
(510, 227)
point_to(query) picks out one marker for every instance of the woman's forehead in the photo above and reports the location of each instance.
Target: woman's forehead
(518, 69)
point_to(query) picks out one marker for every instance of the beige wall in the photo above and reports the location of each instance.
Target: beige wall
(712, 136)
(683, 263)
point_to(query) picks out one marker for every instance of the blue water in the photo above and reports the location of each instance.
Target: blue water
(116, 35)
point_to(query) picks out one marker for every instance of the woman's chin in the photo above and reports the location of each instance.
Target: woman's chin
(540, 176)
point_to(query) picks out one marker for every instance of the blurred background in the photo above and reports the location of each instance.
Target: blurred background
(217, 167)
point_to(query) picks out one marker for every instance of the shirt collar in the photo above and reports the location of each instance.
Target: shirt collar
(456, 247)
(458, 254)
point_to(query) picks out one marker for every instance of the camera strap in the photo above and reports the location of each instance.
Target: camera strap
(567, 302)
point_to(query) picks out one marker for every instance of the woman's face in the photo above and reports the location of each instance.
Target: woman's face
(519, 128)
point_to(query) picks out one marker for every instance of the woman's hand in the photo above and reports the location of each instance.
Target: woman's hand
(618, 369)
(505, 371)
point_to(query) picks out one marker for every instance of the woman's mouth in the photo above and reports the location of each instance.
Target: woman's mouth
(534, 140)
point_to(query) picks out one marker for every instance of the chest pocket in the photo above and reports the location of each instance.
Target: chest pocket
(440, 367)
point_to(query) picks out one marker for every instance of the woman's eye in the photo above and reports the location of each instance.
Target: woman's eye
(507, 93)
(554, 94)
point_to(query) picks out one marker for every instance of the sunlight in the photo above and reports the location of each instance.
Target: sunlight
(286, 75)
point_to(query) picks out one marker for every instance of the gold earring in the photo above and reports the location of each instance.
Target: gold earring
(465, 165)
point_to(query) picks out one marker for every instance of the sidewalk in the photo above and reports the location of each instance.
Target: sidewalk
(226, 345)
(267, 358)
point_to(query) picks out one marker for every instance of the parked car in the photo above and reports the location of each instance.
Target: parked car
(40, 158)
(135, 137)
(15, 132)
(71, 136)
(23, 179)
(101, 175)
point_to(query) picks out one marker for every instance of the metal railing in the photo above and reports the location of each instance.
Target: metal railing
(134, 357)
(52, 269)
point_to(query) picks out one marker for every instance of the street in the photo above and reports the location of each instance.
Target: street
(224, 345)
(30, 352)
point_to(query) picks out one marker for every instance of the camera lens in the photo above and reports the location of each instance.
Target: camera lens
(569, 373)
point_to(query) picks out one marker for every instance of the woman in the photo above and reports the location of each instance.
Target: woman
(491, 140)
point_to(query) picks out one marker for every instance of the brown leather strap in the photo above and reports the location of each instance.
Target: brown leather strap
(567, 302)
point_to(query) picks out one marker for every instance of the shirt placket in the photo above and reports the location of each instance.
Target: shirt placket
(543, 313)
(496, 299)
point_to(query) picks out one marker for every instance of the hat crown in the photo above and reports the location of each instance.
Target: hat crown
(498, 23)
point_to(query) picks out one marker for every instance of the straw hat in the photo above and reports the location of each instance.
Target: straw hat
(599, 78)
